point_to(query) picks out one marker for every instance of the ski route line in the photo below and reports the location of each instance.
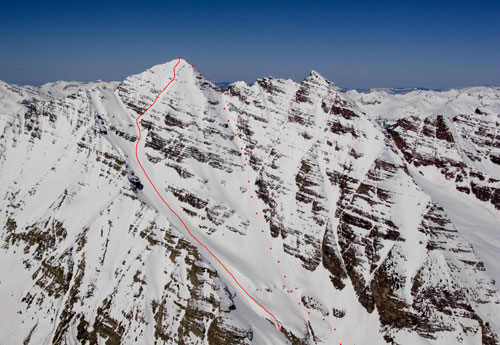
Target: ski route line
(178, 217)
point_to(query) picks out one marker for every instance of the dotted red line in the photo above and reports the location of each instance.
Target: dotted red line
(178, 217)
(270, 248)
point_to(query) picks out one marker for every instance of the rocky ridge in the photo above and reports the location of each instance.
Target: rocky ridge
(362, 241)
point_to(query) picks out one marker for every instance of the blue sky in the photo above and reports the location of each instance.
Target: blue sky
(361, 44)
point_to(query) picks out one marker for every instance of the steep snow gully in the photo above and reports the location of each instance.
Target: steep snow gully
(175, 213)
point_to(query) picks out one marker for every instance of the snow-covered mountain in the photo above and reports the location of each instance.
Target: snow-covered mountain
(353, 218)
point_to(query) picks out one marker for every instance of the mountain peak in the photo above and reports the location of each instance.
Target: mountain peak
(315, 74)
(365, 234)
(316, 77)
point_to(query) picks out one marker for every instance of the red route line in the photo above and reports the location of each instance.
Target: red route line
(178, 217)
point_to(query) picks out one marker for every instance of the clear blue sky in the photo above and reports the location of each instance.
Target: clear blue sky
(437, 43)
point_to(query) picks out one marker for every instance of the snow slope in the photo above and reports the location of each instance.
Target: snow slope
(338, 227)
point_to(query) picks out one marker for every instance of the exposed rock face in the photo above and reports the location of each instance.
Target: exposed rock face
(310, 187)
(429, 142)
